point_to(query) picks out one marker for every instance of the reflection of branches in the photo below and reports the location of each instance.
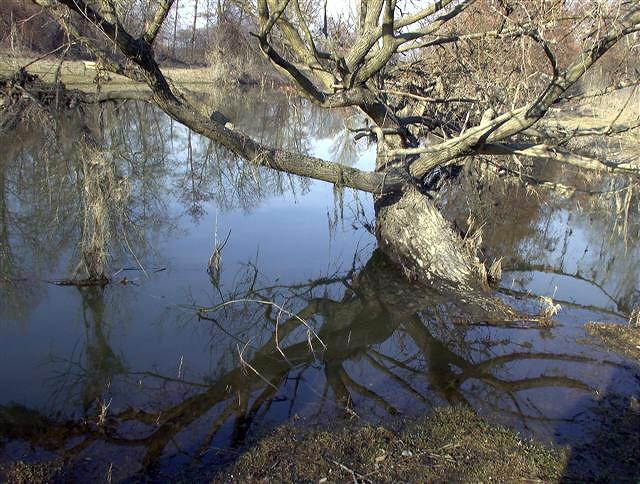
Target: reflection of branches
(395, 378)
(96, 364)
(525, 266)
(349, 382)
(369, 326)
(537, 382)
(310, 331)
(545, 233)
(348, 340)
(449, 383)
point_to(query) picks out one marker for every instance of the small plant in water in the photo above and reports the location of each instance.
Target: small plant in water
(102, 414)
(215, 261)
(634, 319)
(548, 309)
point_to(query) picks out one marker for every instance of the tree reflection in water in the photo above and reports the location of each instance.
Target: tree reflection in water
(390, 349)
(392, 346)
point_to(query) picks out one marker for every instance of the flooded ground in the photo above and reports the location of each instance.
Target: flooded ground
(174, 368)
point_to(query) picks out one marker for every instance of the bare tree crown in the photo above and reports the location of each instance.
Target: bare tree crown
(477, 74)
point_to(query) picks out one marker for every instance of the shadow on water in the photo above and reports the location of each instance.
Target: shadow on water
(610, 450)
(162, 374)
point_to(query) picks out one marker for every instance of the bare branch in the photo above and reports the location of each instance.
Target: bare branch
(555, 153)
(435, 25)
(265, 27)
(428, 99)
(153, 27)
(519, 120)
(373, 32)
(561, 133)
(547, 51)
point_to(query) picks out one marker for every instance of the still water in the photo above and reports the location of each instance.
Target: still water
(173, 370)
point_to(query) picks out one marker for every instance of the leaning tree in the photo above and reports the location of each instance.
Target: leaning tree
(441, 83)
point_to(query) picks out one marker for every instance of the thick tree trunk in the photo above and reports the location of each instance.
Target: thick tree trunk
(411, 230)
(414, 234)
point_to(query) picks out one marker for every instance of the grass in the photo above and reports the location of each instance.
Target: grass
(453, 444)
(75, 76)
(621, 338)
(21, 472)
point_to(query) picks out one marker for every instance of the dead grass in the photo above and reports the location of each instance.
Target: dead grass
(452, 445)
(21, 472)
(622, 338)
(105, 197)
(74, 76)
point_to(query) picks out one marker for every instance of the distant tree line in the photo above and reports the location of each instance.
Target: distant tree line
(195, 32)
(26, 27)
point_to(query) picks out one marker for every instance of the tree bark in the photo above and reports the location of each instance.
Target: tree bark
(410, 230)
(414, 234)
(175, 31)
(193, 31)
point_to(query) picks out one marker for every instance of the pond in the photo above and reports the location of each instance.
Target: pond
(241, 299)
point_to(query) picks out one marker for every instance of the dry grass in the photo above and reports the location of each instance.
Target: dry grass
(105, 196)
(21, 472)
(624, 339)
(453, 445)
(74, 75)
(548, 308)
(103, 412)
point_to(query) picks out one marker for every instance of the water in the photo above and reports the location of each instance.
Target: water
(135, 377)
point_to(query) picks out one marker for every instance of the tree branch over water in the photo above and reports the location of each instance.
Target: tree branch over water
(558, 43)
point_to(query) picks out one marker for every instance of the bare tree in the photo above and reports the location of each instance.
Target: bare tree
(520, 59)
(193, 29)
(175, 31)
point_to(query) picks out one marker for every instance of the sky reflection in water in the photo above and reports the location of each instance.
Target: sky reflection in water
(176, 388)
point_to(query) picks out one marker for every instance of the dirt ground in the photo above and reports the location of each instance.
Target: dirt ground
(75, 75)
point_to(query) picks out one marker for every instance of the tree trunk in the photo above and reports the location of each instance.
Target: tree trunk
(411, 230)
(193, 31)
(175, 30)
(414, 234)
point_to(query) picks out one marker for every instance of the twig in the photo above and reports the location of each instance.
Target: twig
(355, 475)
(310, 330)
(244, 363)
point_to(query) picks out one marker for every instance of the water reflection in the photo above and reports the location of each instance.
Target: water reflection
(166, 373)
(577, 249)
(382, 346)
